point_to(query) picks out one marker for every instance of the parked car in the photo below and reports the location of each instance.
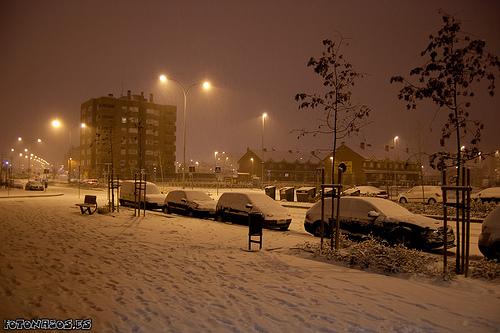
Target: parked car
(366, 191)
(236, 206)
(189, 202)
(490, 194)
(489, 238)
(426, 194)
(33, 185)
(16, 183)
(155, 199)
(386, 220)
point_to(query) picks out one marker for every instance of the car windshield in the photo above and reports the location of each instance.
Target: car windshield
(264, 202)
(389, 208)
(197, 195)
(152, 189)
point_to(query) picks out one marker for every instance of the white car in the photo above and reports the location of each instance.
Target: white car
(424, 194)
(490, 194)
(489, 239)
(155, 199)
(367, 191)
(236, 207)
(361, 217)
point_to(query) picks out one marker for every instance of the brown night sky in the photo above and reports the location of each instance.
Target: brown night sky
(57, 54)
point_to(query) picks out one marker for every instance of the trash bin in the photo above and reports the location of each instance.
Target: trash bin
(255, 223)
(328, 193)
(270, 191)
(287, 193)
(306, 194)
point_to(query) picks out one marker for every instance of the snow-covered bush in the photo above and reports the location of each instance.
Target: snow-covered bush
(378, 257)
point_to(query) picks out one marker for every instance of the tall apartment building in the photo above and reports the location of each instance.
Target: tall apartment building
(127, 134)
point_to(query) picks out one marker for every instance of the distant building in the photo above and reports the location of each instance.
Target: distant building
(127, 134)
(296, 166)
(290, 165)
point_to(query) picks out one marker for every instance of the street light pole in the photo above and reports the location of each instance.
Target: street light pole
(206, 86)
(264, 116)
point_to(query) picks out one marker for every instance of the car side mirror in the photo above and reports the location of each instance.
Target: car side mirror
(184, 200)
(249, 206)
(373, 214)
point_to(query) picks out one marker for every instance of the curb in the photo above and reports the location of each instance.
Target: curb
(31, 196)
(295, 206)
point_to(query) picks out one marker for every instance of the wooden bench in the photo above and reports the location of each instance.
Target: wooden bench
(89, 202)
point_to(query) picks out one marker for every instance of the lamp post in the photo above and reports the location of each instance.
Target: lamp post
(185, 91)
(56, 123)
(264, 116)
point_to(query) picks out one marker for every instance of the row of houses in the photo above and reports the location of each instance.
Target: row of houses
(297, 166)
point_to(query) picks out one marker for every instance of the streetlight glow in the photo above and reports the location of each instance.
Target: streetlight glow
(185, 90)
(56, 123)
(19, 139)
(39, 140)
(83, 125)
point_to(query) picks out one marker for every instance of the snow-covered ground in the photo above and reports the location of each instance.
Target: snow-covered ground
(165, 273)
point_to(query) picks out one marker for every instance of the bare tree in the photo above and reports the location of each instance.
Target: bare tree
(340, 117)
(454, 62)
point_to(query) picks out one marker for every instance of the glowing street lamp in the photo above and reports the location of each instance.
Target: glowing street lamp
(56, 123)
(206, 86)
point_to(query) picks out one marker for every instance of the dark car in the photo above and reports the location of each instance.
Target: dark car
(489, 239)
(34, 186)
(361, 217)
(236, 207)
(189, 202)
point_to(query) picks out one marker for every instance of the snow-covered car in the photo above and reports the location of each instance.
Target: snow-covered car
(154, 198)
(361, 217)
(33, 185)
(16, 183)
(189, 202)
(490, 194)
(425, 194)
(366, 191)
(489, 238)
(236, 207)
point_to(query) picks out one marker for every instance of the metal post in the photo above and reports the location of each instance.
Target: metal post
(462, 207)
(445, 226)
(322, 228)
(468, 225)
(184, 141)
(341, 170)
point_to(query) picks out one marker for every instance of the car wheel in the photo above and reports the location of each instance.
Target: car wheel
(402, 236)
(190, 213)
(431, 201)
(494, 252)
(317, 229)
(166, 210)
(403, 200)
